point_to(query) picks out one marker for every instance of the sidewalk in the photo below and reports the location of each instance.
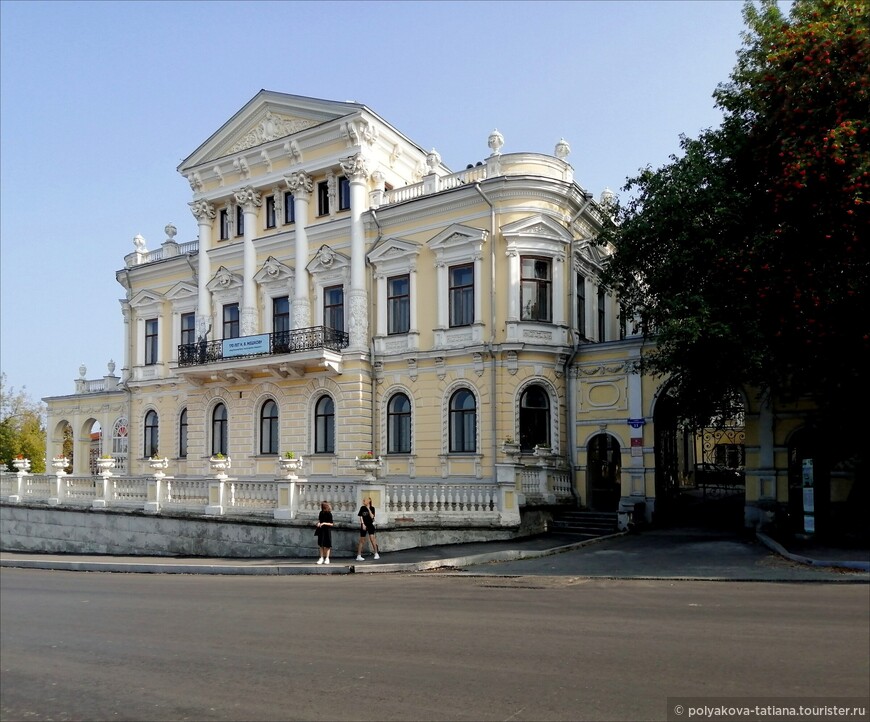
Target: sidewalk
(455, 556)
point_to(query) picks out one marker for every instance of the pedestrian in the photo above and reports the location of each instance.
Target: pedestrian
(324, 532)
(367, 529)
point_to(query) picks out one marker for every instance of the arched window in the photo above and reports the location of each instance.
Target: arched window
(182, 435)
(399, 425)
(120, 446)
(534, 418)
(219, 430)
(324, 426)
(463, 421)
(151, 435)
(269, 428)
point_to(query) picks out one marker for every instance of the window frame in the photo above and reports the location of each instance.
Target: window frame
(330, 310)
(399, 424)
(324, 425)
(219, 430)
(224, 224)
(398, 305)
(343, 184)
(542, 290)
(152, 341)
(271, 218)
(182, 434)
(323, 198)
(240, 221)
(462, 423)
(150, 434)
(234, 324)
(289, 208)
(533, 418)
(188, 332)
(269, 430)
(458, 304)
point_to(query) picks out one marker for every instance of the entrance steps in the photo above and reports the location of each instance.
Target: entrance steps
(586, 523)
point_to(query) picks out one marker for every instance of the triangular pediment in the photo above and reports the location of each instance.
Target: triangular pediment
(181, 290)
(145, 298)
(266, 117)
(223, 280)
(592, 254)
(538, 227)
(456, 236)
(393, 249)
(273, 271)
(328, 260)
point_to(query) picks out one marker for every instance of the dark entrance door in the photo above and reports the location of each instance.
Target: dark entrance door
(603, 473)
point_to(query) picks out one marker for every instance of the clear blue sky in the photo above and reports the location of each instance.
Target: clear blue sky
(100, 101)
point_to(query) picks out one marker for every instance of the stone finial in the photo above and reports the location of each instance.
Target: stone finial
(563, 150)
(607, 200)
(82, 370)
(139, 243)
(433, 160)
(171, 231)
(495, 141)
(111, 366)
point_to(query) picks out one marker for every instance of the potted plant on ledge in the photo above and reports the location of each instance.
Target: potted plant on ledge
(106, 463)
(220, 463)
(368, 463)
(510, 447)
(289, 463)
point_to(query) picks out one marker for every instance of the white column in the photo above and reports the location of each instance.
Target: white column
(301, 185)
(204, 212)
(250, 201)
(381, 324)
(356, 171)
(478, 289)
(443, 286)
(559, 291)
(513, 286)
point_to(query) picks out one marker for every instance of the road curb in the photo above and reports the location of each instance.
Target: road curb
(834, 564)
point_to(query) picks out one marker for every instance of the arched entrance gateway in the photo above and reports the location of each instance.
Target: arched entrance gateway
(604, 472)
(699, 470)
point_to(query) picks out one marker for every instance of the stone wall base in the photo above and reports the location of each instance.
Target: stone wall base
(57, 530)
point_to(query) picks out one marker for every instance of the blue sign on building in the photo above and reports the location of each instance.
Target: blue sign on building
(246, 345)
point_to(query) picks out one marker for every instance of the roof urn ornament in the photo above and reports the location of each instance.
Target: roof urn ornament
(82, 371)
(139, 243)
(495, 141)
(433, 160)
(563, 150)
(607, 200)
(171, 231)
(111, 366)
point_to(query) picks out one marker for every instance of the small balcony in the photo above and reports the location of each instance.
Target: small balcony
(282, 354)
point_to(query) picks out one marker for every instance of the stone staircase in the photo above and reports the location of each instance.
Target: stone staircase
(585, 523)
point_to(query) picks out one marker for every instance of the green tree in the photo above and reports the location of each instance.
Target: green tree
(22, 428)
(747, 256)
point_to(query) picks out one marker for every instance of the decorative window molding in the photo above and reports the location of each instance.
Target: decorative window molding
(395, 257)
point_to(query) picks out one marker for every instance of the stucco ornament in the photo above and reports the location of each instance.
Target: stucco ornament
(327, 256)
(355, 167)
(433, 160)
(495, 141)
(202, 210)
(563, 150)
(272, 126)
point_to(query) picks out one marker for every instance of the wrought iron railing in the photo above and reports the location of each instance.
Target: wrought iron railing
(280, 342)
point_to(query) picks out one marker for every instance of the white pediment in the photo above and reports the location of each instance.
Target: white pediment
(393, 249)
(537, 227)
(273, 271)
(328, 260)
(457, 237)
(592, 254)
(266, 117)
(181, 290)
(224, 280)
(145, 298)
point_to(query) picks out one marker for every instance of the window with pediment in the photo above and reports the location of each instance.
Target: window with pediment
(395, 264)
(536, 289)
(399, 304)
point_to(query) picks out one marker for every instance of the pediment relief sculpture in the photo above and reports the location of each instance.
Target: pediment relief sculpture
(271, 127)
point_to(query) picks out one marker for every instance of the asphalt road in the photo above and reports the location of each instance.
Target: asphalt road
(424, 646)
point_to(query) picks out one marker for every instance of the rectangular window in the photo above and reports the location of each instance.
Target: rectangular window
(151, 341)
(281, 314)
(188, 328)
(231, 320)
(225, 224)
(581, 305)
(289, 208)
(323, 198)
(398, 304)
(536, 290)
(333, 307)
(461, 280)
(343, 194)
(270, 211)
(602, 316)
(240, 221)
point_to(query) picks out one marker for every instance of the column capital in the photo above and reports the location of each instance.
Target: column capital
(203, 211)
(248, 198)
(355, 168)
(300, 184)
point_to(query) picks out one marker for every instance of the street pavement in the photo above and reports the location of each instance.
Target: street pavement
(696, 554)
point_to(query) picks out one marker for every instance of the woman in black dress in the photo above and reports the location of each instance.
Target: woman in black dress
(324, 532)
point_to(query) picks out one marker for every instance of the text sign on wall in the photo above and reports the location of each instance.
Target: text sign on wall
(246, 345)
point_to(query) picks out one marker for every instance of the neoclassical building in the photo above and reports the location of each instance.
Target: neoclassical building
(348, 293)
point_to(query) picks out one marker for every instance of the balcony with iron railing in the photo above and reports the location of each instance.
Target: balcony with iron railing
(283, 353)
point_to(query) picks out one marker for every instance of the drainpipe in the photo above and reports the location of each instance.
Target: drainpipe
(493, 381)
